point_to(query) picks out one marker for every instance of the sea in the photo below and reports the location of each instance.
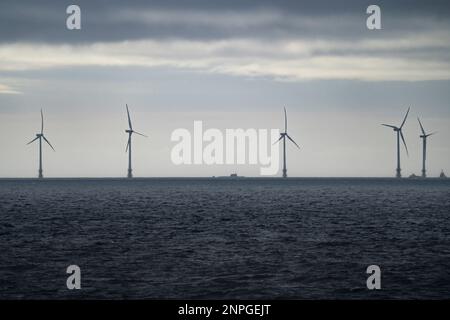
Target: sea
(225, 238)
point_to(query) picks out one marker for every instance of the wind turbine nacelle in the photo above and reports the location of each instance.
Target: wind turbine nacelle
(39, 135)
(129, 131)
(423, 137)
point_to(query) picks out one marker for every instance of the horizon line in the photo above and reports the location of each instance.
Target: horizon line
(223, 177)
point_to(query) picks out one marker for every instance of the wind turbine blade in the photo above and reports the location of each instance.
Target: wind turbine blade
(42, 122)
(292, 141)
(129, 119)
(140, 134)
(285, 120)
(430, 134)
(33, 140)
(128, 143)
(281, 137)
(421, 127)
(48, 143)
(406, 116)
(404, 142)
(388, 125)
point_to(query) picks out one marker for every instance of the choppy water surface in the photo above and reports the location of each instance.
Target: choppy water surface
(221, 238)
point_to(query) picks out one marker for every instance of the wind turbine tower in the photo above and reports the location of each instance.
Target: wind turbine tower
(130, 132)
(399, 132)
(424, 137)
(283, 137)
(40, 136)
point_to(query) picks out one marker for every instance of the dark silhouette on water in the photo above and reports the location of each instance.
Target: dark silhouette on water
(231, 176)
(424, 137)
(130, 131)
(283, 136)
(41, 136)
(399, 132)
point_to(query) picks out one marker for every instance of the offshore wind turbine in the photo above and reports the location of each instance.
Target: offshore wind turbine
(130, 132)
(424, 137)
(399, 132)
(283, 137)
(41, 136)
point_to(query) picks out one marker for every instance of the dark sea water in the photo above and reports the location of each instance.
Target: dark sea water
(224, 238)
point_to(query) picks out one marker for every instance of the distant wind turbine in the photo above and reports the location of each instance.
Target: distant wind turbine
(283, 136)
(41, 136)
(424, 137)
(399, 135)
(130, 131)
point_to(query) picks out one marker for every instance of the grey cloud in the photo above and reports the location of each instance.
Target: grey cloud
(44, 21)
(287, 40)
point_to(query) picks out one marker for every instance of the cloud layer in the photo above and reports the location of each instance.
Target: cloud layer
(289, 60)
(289, 41)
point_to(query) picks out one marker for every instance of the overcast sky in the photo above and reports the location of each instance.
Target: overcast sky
(231, 64)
